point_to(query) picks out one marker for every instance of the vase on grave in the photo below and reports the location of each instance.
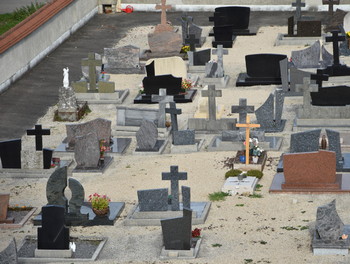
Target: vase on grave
(255, 159)
(242, 159)
(101, 212)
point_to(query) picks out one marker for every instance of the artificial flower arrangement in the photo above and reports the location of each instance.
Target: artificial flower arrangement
(254, 149)
(348, 34)
(196, 232)
(103, 147)
(186, 84)
(99, 203)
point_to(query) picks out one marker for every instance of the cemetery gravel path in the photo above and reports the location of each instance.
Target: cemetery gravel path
(30, 97)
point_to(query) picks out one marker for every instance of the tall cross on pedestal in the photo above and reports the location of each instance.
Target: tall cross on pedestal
(173, 114)
(243, 109)
(335, 38)
(319, 77)
(192, 41)
(92, 63)
(174, 176)
(38, 132)
(163, 7)
(330, 4)
(220, 52)
(247, 127)
(211, 93)
(298, 4)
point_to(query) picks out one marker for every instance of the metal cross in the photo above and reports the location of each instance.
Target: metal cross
(335, 38)
(38, 132)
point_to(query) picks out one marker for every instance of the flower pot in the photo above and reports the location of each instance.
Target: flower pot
(101, 212)
(255, 159)
(242, 159)
(102, 161)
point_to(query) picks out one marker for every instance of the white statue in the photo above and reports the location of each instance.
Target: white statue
(65, 77)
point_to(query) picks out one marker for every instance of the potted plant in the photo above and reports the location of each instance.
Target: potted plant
(99, 204)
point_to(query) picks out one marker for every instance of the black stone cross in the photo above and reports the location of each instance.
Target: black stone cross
(211, 93)
(174, 176)
(335, 38)
(243, 109)
(330, 4)
(92, 63)
(298, 4)
(192, 41)
(173, 114)
(38, 132)
(319, 77)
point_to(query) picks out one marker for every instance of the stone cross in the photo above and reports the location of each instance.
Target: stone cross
(243, 109)
(247, 127)
(192, 41)
(174, 176)
(38, 132)
(298, 4)
(220, 52)
(163, 7)
(211, 93)
(92, 63)
(335, 39)
(173, 113)
(330, 4)
(319, 77)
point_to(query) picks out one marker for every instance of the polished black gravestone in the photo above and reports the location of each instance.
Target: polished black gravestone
(223, 35)
(200, 58)
(152, 84)
(47, 156)
(331, 96)
(308, 28)
(53, 234)
(262, 69)
(10, 154)
(177, 231)
(38, 132)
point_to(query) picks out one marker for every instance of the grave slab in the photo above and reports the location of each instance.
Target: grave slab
(158, 149)
(234, 186)
(118, 97)
(100, 169)
(187, 148)
(166, 254)
(283, 39)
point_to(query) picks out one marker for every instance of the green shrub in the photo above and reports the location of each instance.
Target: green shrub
(232, 173)
(217, 196)
(255, 173)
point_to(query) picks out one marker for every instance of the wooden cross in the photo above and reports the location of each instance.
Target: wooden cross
(38, 132)
(247, 127)
(92, 63)
(330, 4)
(192, 41)
(163, 7)
(211, 93)
(173, 114)
(298, 4)
(174, 176)
(319, 77)
(335, 39)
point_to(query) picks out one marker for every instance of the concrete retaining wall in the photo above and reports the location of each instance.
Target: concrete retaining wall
(21, 56)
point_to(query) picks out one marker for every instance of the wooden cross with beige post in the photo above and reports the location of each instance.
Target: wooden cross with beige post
(247, 127)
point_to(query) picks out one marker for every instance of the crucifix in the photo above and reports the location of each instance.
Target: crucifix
(163, 26)
(220, 52)
(92, 63)
(38, 132)
(298, 4)
(247, 127)
(192, 41)
(173, 111)
(211, 93)
(319, 77)
(174, 176)
(335, 38)
(330, 4)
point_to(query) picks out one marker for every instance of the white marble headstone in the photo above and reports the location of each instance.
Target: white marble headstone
(347, 22)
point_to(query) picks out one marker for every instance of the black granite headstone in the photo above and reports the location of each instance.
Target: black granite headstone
(264, 65)
(53, 234)
(10, 154)
(200, 58)
(319, 77)
(152, 84)
(235, 16)
(331, 96)
(308, 28)
(291, 26)
(223, 35)
(47, 157)
(177, 231)
(150, 69)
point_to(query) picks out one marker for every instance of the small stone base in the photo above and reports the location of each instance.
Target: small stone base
(101, 169)
(196, 69)
(50, 253)
(218, 82)
(244, 80)
(303, 124)
(181, 254)
(330, 251)
(233, 186)
(117, 97)
(187, 148)
(159, 148)
(283, 39)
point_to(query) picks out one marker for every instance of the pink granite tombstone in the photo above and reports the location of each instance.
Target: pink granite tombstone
(310, 171)
(163, 26)
(4, 204)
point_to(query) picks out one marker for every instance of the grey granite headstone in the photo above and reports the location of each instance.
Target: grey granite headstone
(147, 135)
(297, 77)
(284, 74)
(101, 127)
(243, 109)
(195, 30)
(55, 188)
(184, 137)
(185, 20)
(220, 52)
(78, 195)
(307, 58)
(125, 59)
(279, 97)
(307, 141)
(153, 200)
(334, 145)
(211, 68)
(186, 197)
(329, 226)
(327, 58)
(174, 176)
(177, 231)
(9, 254)
(87, 151)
